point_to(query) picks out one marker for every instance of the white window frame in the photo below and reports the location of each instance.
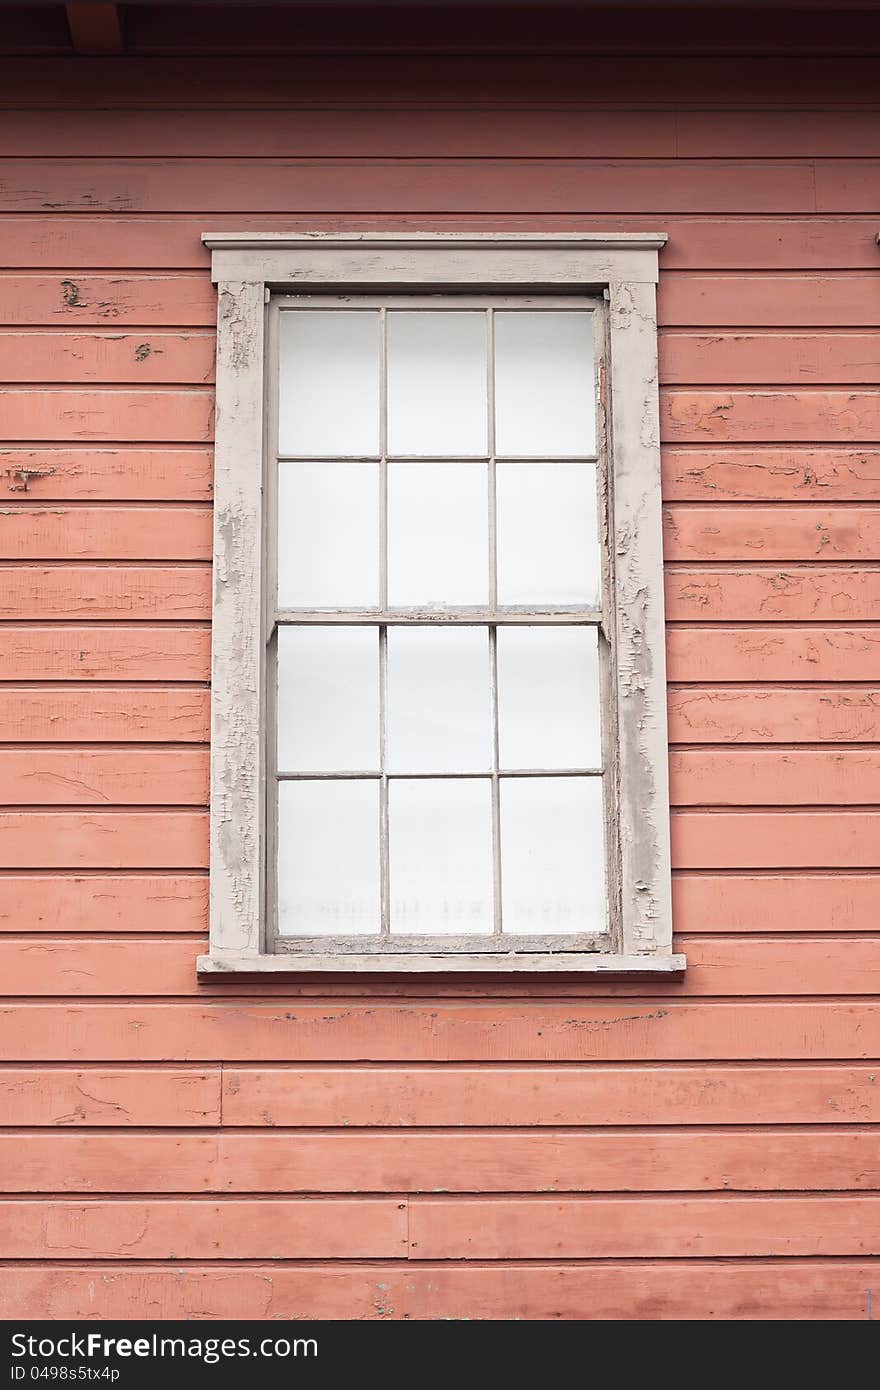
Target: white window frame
(248, 269)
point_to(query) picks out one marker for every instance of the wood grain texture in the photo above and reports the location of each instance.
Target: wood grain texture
(774, 714)
(444, 1031)
(462, 186)
(776, 839)
(500, 1095)
(176, 416)
(754, 358)
(743, 416)
(140, 358)
(808, 653)
(124, 592)
(551, 1161)
(790, 777)
(793, 593)
(505, 1228)
(484, 1228)
(77, 474)
(785, 300)
(72, 300)
(693, 532)
(366, 1227)
(103, 840)
(86, 533)
(745, 1290)
(155, 243)
(103, 714)
(806, 902)
(66, 1096)
(92, 776)
(721, 473)
(42, 902)
(86, 652)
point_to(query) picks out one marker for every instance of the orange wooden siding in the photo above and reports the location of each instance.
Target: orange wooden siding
(708, 1147)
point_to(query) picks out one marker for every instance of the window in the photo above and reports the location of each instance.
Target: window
(438, 735)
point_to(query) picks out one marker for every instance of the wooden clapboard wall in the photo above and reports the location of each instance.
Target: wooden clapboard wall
(708, 1148)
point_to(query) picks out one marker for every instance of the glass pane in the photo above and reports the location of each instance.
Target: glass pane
(439, 707)
(329, 383)
(328, 535)
(552, 855)
(328, 699)
(438, 534)
(545, 394)
(548, 697)
(548, 541)
(328, 858)
(440, 849)
(437, 383)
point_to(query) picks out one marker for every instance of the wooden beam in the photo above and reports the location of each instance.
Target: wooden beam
(95, 27)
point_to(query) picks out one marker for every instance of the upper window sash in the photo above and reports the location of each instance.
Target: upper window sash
(622, 268)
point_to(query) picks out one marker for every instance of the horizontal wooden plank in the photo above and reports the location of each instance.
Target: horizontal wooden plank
(106, 357)
(315, 132)
(568, 1095)
(106, 533)
(751, 359)
(680, 1290)
(103, 903)
(744, 902)
(669, 1227)
(768, 714)
(781, 300)
(45, 651)
(50, 473)
(34, 241)
(294, 1229)
(103, 840)
(694, 532)
(179, 1096)
(438, 1030)
(844, 187)
(717, 966)
(759, 777)
(773, 654)
(70, 300)
(184, 415)
(92, 776)
(455, 185)
(769, 416)
(549, 1161)
(732, 474)
(776, 839)
(60, 592)
(103, 714)
(798, 593)
(331, 132)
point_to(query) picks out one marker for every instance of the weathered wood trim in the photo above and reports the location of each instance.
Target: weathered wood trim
(637, 555)
(237, 722)
(543, 962)
(625, 266)
(509, 262)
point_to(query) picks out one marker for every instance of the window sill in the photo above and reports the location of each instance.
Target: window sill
(543, 963)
